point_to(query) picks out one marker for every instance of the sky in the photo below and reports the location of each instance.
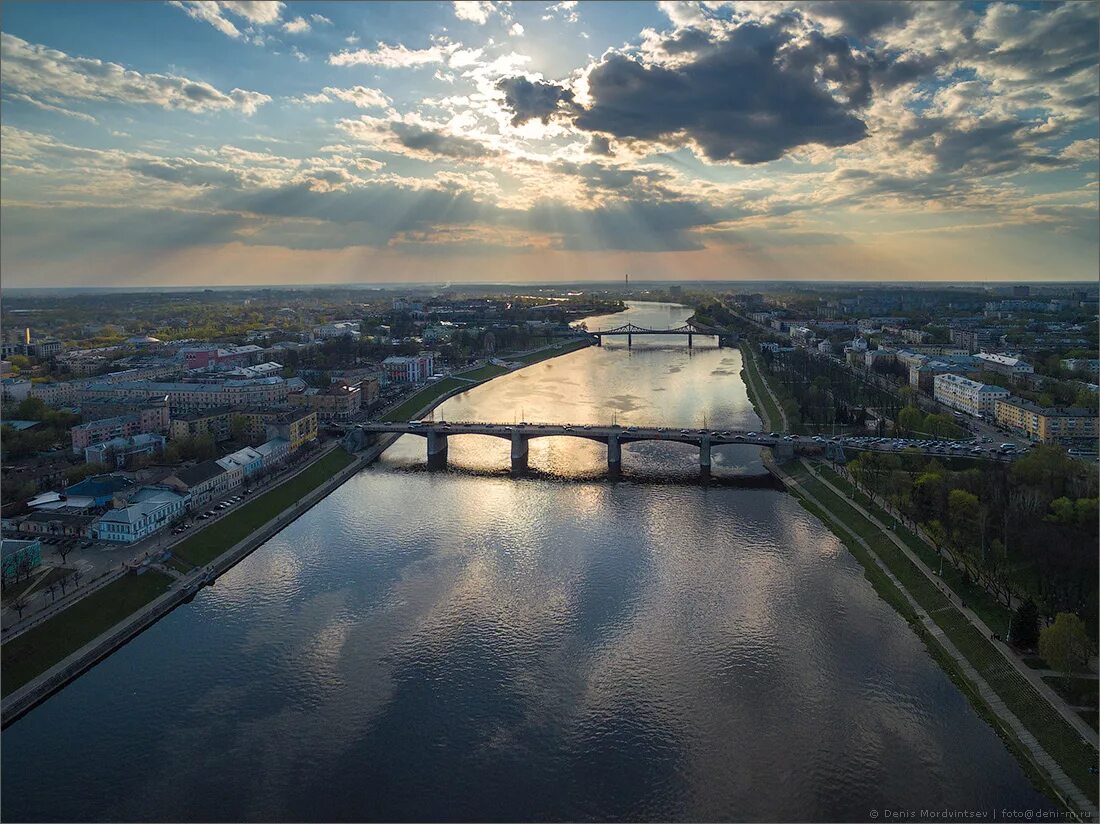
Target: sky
(245, 142)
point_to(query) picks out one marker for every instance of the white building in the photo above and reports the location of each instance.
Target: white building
(150, 509)
(340, 329)
(249, 460)
(1003, 364)
(273, 452)
(409, 369)
(965, 395)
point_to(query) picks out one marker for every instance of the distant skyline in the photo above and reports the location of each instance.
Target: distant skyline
(269, 143)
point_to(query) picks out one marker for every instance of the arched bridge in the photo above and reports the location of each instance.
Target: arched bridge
(725, 338)
(783, 446)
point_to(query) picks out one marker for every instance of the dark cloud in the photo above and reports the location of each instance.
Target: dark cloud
(95, 230)
(530, 101)
(992, 146)
(751, 97)
(600, 145)
(420, 139)
(860, 18)
(186, 172)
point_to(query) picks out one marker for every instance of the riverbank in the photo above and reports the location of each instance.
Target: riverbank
(40, 661)
(760, 392)
(1054, 751)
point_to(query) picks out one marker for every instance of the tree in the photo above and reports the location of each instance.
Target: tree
(19, 603)
(1024, 630)
(910, 419)
(1065, 644)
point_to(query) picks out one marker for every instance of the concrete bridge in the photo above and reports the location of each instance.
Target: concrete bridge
(691, 329)
(519, 435)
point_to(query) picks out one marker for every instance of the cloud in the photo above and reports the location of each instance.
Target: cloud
(516, 30)
(391, 57)
(254, 12)
(750, 96)
(298, 25)
(531, 101)
(474, 11)
(360, 96)
(320, 20)
(26, 98)
(566, 10)
(51, 74)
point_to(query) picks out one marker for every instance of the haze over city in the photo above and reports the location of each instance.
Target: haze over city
(190, 143)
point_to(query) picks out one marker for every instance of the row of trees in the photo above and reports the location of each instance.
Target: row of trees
(1025, 531)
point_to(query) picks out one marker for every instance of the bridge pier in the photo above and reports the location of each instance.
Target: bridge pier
(520, 452)
(704, 456)
(614, 456)
(437, 450)
(629, 341)
(783, 451)
(599, 340)
(689, 340)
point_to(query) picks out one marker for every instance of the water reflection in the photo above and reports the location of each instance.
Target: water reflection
(452, 646)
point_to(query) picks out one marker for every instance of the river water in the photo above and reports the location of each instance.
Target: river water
(468, 646)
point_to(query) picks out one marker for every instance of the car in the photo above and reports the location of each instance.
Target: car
(204, 516)
(739, 437)
(85, 544)
(752, 435)
(773, 434)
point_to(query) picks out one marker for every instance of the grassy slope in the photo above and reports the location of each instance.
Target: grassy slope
(38, 649)
(215, 539)
(1055, 735)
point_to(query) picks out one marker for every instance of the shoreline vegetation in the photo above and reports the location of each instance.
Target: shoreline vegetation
(31, 655)
(1051, 751)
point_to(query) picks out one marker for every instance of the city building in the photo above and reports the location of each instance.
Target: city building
(215, 422)
(247, 460)
(334, 403)
(150, 420)
(201, 483)
(340, 329)
(409, 368)
(19, 557)
(101, 488)
(273, 452)
(15, 389)
(187, 397)
(118, 451)
(296, 427)
(1091, 365)
(199, 357)
(1003, 364)
(57, 524)
(151, 509)
(965, 395)
(1047, 424)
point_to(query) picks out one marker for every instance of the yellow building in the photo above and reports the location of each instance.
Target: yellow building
(1052, 424)
(294, 425)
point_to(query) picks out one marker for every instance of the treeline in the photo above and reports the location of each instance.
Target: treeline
(822, 393)
(1025, 531)
(52, 430)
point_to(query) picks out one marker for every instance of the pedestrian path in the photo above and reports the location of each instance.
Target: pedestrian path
(1031, 676)
(1070, 794)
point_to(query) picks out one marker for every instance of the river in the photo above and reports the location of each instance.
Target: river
(463, 645)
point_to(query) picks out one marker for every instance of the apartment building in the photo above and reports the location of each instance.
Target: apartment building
(409, 368)
(965, 395)
(149, 420)
(1050, 424)
(215, 422)
(295, 426)
(1003, 364)
(188, 397)
(118, 451)
(334, 403)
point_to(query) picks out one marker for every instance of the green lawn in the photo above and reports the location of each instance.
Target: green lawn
(425, 396)
(761, 400)
(38, 649)
(1053, 732)
(483, 372)
(552, 352)
(215, 539)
